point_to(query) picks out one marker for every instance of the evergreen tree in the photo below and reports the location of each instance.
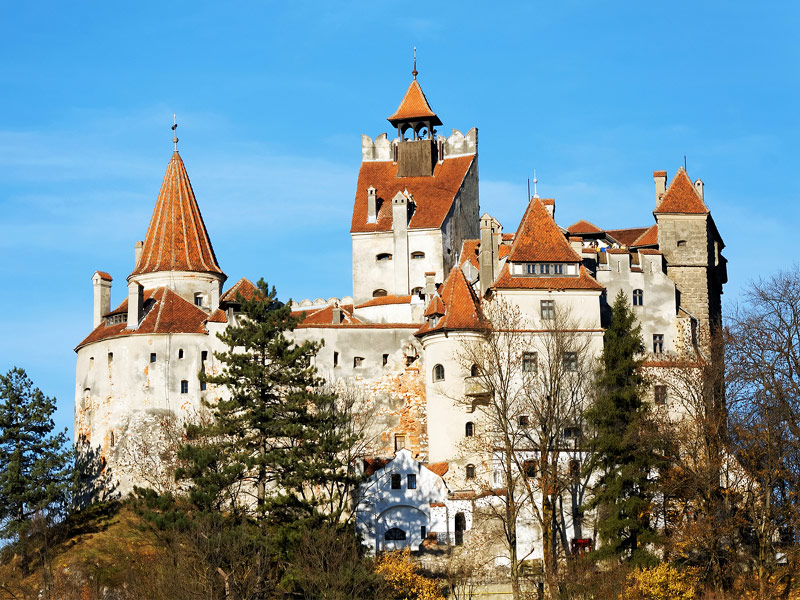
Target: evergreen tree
(35, 463)
(624, 442)
(275, 437)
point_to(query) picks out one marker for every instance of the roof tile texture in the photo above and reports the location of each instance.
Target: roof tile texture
(648, 238)
(681, 197)
(432, 195)
(461, 306)
(584, 281)
(539, 239)
(414, 105)
(176, 238)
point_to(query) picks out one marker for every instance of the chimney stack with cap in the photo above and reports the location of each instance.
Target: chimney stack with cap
(137, 253)
(372, 205)
(430, 286)
(660, 179)
(101, 283)
(698, 185)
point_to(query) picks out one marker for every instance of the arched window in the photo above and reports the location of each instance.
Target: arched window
(395, 533)
(383, 256)
(474, 371)
(379, 293)
(638, 298)
(469, 429)
(470, 471)
(438, 373)
(417, 255)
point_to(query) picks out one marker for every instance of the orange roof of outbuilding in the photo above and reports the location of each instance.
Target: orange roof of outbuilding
(169, 313)
(461, 306)
(414, 106)
(648, 238)
(433, 196)
(539, 239)
(681, 197)
(176, 238)
(626, 236)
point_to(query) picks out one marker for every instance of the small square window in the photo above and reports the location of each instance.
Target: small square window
(411, 481)
(548, 310)
(524, 421)
(531, 268)
(544, 269)
(152, 357)
(184, 387)
(358, 361)
(396, 482)
(658, 343)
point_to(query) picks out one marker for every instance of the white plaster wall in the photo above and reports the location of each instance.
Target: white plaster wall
(581, 306)
(186, 284)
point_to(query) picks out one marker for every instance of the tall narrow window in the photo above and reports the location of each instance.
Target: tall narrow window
(548, 309)
(385, 359)
(203, 386)
(204, 355)
(469, 429)
(574, 467)
(658, 343)
(638, 298)
(399, 442)
(184, 387)
(110, 357)
(152, 357)
(438, 373)
(411, 481)
(198, 299)
(111, 439)
(660, 392)
(180, 353)
(335, 359)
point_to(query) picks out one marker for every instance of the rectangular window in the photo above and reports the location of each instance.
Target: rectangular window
(660, 392)
(558, 269)
(411, 481)
(335, 359)
(524, 421)
(531, 268)
(570, 361)
(574, 467)
(152, 357)
(204, 355)
(529, 468)
(548, 308)
(357, 361)
(396, 481)
(184, 387)
(385, 359)
(399, 442)
(544, 269)
(658, 343)
(573, 432)
(202, 386)
(423, 531)
(198, 300)
(529, 362)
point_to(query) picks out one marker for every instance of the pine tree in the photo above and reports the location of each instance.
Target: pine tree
(275, 436)
(624, 442)
(35, 463)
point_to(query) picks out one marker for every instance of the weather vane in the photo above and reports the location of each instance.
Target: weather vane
(535, 181)
(175, 131)
(414, 72)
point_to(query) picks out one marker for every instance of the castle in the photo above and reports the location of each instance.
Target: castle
(425, 264)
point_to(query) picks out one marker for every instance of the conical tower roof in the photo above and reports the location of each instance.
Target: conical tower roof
(414, 107)
(176, 238)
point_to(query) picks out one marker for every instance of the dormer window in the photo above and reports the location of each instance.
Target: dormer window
(383, 256)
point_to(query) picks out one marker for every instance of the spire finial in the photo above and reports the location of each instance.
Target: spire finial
(414, 72)
(175, 131)
(535, 181)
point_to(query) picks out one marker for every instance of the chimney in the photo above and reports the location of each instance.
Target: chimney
(400, 235)
(497, 238)
(577, 243)
(337, 315)
(215, 292)
(660, 179)
(550, 205)
(137, 253)
(101, 283)
(430, 286)
(135, 304)
(698, 185)
(486, 257)
(372, 205)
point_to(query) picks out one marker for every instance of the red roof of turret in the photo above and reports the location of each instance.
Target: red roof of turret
(176, 238)
(539, 239)
(414, 106)
(681, 197)
(461, 306)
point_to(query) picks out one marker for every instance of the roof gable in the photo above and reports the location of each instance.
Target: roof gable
(583, 226)
(681, 197)
(244, 286)
(648, 238)
(176, 238)
(539, 239)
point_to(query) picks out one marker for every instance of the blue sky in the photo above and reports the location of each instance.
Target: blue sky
(272, 98)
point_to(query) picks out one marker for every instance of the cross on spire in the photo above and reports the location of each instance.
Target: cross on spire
(175, 131)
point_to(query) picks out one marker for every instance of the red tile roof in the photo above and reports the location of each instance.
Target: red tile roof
(584, 281)
(616, 250)
(649, 251)
(372, 464)
(681, 197)
(414, 106)
(648, 238)
(384, 300)
(433, 195)
(539, 239)
(461, 306)
(583, 226)
(439, 468)
(659, 173)
(176, 238)
(169, 313)
(507, 237)
(626, 236)
(244, 286)
(436, 307)
(103, 275)
(469, 252)
(324, 316)
(218, 316)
